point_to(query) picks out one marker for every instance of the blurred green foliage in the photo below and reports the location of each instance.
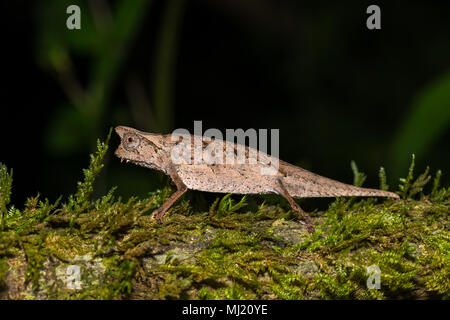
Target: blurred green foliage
(106, 37)
(426, 121)
(163, 89)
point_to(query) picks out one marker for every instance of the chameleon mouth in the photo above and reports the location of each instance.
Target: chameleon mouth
(128, 161)
(122, 158)
(136, 162)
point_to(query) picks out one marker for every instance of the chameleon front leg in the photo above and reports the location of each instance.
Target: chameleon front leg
(281, 189)
(181, 189)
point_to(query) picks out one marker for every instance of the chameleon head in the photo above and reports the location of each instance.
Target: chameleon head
(139, 147)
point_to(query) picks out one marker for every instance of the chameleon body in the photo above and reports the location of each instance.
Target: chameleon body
(157, 151)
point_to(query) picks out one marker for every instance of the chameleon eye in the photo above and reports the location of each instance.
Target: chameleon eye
(131, 142)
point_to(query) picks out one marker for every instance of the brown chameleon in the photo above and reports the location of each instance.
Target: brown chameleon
(157, 151)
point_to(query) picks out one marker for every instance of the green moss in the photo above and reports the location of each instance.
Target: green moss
(234, 250)
(4, 268)
(5, 192)
(35, 256)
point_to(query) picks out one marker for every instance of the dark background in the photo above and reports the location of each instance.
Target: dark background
(336, 90)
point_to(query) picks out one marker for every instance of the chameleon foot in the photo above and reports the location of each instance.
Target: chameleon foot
(283, 192)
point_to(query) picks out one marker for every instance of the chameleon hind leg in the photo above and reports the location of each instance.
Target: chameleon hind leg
(281, 189)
